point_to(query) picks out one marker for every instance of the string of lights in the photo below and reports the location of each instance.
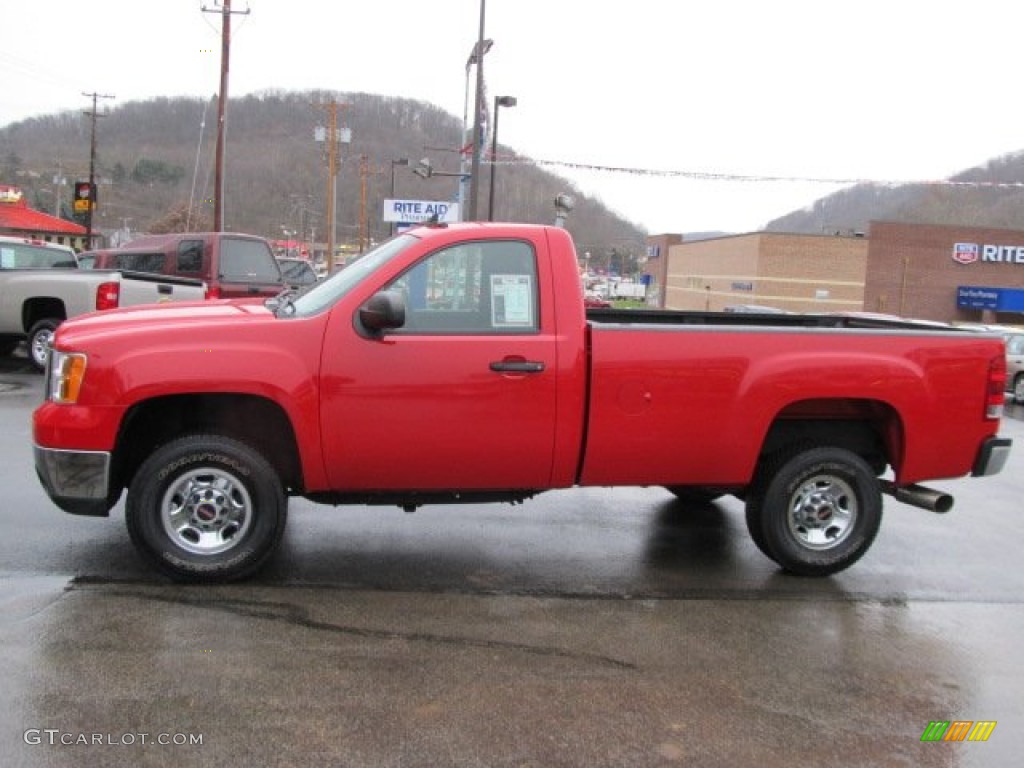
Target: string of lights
(711, 176)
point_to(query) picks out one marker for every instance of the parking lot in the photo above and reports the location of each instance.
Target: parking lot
(597, 627)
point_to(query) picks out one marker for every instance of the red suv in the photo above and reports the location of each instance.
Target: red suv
(232, 265)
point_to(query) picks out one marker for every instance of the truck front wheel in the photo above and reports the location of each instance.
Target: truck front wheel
(206, 508)
(818, 511)
(39, 337)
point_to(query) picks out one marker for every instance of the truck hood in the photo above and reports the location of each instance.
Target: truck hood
(175, 319)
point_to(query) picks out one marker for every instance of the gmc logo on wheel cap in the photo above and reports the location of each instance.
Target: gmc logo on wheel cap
(965, 253)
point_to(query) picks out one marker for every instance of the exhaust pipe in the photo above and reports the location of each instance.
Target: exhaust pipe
(919, 496)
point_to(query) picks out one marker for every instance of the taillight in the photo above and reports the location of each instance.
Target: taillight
(995, 396)
(212, 292)
(108, 295)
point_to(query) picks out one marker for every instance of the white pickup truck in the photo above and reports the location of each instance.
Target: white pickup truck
(41, 286)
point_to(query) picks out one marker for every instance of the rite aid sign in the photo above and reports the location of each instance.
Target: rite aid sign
(417, 211)
(969, 253)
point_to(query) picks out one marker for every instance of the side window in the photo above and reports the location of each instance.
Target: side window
(141, 262)
(1015, 345)
(190, 256)
(472, 288)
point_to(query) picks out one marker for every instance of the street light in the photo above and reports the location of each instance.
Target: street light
(563, 207)
(499, 101)
(425, 170)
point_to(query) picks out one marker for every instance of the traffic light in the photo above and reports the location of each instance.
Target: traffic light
(85, 196)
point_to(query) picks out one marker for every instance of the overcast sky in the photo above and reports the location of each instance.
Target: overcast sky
(885, 90)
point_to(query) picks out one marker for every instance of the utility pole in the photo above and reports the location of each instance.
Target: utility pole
(222, 105)
(364, 224)
(93, 115)
(333, 137)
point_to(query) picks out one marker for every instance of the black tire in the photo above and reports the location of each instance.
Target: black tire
(817, 511)
(696, 494)
(38, 344)
(206, 508)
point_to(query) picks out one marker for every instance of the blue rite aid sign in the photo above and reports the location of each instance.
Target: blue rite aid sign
(418, 211)
(983, 297)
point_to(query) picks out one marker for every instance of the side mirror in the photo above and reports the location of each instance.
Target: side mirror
(384, 311)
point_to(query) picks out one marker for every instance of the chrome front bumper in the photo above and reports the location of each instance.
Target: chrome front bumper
(77, 481)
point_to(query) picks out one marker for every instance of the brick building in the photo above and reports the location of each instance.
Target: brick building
(798, 273)
(949, 273)
(927, 271)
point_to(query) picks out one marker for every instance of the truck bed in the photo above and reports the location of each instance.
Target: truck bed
(853, 320)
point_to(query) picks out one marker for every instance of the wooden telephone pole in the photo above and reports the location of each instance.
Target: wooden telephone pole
(333, 137)
(222, 107)
(94, 116)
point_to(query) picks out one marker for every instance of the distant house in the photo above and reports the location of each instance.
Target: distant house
(18, 220)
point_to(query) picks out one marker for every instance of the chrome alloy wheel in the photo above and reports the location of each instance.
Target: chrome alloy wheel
(206, 511)
(40, 347)
(822, 512)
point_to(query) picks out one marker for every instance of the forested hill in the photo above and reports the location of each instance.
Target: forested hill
(154, 156)
(991, 196)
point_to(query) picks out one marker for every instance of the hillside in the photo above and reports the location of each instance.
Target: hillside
(154, 156)
(991, 195)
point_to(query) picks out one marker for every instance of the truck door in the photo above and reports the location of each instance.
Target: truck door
(461, 397)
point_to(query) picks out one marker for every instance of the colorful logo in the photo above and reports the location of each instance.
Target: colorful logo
(965, 253)
(958, 730)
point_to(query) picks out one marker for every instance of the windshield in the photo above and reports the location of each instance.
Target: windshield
(323, 294)
(247, 261)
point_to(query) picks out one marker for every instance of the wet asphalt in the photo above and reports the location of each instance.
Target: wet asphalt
(594, 627)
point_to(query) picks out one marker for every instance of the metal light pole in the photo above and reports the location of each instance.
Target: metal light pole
(475, 57)
(399, 161)
(474, 178)
(499, 101)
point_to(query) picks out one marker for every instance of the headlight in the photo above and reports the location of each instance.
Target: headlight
(66, 371)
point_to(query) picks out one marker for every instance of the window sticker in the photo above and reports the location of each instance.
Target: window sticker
(511, 301)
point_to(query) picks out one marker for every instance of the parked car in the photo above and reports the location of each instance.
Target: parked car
(1013, 337)
(1015, 364)
(232, 265)
(297, 272)
(30, 253)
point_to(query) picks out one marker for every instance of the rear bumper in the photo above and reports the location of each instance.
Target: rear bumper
(991, 456)
(77, 481)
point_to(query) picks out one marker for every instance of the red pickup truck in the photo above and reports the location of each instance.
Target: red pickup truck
(458, 364)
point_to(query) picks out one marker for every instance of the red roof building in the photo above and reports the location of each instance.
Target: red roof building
(17, 219)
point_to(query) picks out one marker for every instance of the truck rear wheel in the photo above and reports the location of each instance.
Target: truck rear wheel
(206, 508)
(817, 512)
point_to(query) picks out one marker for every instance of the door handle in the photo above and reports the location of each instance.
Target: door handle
(517, 366)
